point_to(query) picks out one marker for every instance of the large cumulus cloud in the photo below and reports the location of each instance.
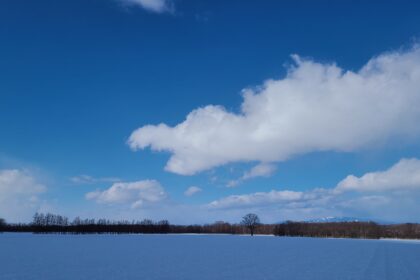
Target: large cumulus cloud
(316, 107)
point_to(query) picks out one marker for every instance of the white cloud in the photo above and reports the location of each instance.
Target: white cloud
(396, 195)
(135, 194)
(316, 107)
(280, 205)
(233, 183)
(156, 6)
(18, 182)
(284, 197)
(192, 191)
(19, 193)
(260, 170)
(404, 175)
(87, 180)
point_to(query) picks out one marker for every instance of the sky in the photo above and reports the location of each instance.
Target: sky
(203, 111)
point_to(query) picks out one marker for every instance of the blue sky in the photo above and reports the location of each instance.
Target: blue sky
(285, 100)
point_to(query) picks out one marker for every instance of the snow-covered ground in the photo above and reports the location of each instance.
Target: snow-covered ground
(401, 240)
(28, 256)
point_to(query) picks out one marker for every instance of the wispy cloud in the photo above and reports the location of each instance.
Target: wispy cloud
(90, 180)
(156, 6)
(192, 191)
(391, 194)
(358, 199)
(273, 197)
(259, 170)
(316, 107)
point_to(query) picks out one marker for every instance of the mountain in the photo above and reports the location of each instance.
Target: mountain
(344, 220)
(336, 220)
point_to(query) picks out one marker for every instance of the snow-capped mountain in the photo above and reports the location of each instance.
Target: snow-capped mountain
(336, 220)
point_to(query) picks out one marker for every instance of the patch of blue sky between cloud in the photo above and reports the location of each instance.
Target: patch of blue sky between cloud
(315, 107)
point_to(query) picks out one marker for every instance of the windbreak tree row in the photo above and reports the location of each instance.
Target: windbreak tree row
(250, 224)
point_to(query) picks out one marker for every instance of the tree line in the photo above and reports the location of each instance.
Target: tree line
(368, 230)
(51, 223)
(250, 224)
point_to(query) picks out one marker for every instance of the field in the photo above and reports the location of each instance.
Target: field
(55, 257)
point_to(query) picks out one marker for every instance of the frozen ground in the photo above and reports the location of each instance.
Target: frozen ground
(55, 257)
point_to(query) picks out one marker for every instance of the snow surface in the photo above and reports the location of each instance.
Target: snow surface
(55, 257)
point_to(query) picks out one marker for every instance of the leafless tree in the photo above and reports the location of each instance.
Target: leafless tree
(2, 223)
(251, 221)
(51, 223)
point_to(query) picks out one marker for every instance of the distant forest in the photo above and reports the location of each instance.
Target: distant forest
(50, 223)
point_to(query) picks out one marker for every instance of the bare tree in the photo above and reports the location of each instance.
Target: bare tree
(2, 223)
(251, 221)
